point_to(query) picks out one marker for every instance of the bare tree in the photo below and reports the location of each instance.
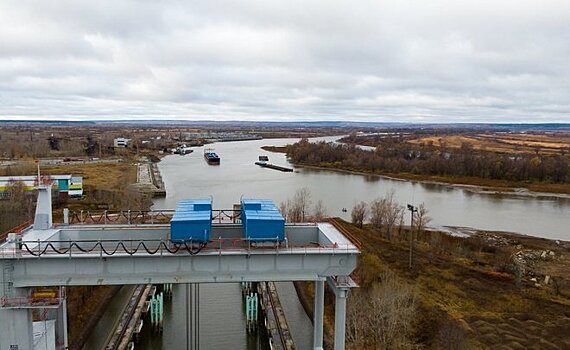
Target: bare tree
(319, 211)
(297, 208)
(18, 208)
(378, 212)
(394, 213)
(302, 200)
(385, 213)
(359, 213)
(382, 317)
(283, 210)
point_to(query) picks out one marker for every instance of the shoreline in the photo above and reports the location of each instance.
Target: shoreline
(478, 189)
(466, 232)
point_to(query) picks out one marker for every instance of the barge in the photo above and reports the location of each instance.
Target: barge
(273, 166)
(211, 157)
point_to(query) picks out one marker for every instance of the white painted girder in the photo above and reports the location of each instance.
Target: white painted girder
(201, 268)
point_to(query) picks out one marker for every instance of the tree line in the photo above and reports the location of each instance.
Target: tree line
(17, 207)
(398, 156)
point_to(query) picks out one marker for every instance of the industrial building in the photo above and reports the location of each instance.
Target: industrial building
(65, 185)
(121, 142)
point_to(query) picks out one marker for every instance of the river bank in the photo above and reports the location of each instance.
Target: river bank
(479, 189)
(466, 292)
(474, 184)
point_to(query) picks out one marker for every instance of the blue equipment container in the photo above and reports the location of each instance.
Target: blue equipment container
(262, 221)
(192, 221)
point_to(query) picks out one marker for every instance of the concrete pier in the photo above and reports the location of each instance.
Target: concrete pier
(149, 180)
(276, 323)
(130, 320)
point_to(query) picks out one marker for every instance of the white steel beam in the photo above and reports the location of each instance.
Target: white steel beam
(340, 285)
(319, 313)
(202, 268)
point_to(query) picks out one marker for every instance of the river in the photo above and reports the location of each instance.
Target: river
(222, 319)
(191, 177)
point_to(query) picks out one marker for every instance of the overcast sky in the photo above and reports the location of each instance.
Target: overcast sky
(383, 60)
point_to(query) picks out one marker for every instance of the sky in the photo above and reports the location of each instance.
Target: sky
(377, 61)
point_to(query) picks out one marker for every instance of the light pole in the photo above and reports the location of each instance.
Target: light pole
(412, 210)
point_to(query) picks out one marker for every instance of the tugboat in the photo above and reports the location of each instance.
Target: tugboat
(211, 156)
(183, 150)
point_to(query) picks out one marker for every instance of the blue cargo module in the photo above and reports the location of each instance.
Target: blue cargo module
(262, 221)
(192, 221)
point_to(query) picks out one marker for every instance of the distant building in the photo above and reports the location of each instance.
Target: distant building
(121, 142)
(75, 186)
(66, 185)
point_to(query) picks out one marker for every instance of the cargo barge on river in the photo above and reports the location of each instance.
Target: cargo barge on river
(211, 157)
(273, 166)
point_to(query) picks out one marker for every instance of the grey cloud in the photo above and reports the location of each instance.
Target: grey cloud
(391, 60)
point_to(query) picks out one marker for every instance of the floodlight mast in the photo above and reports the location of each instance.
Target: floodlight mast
(412, 210)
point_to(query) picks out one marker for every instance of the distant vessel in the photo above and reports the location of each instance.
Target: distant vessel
(183, 149)
(211, 156)
(273, 166)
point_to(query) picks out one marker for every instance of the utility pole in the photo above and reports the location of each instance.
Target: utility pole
(412, 210)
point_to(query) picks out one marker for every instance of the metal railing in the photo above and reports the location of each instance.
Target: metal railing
(336, 223)
(130, 217)
(16, 229)
(139, 217)
(32, 302)
(109, 247)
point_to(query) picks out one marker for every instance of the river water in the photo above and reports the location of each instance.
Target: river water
(221, 314)
(191, 177)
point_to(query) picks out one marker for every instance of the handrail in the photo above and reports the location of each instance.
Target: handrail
(16, 229)
(347, 233)
(138, 247)
(28, 301)
(141, 216)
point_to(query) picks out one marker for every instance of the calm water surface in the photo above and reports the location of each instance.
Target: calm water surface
(222, 319)
(190, 176)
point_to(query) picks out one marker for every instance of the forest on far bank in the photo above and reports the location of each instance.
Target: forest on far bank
(396, 156)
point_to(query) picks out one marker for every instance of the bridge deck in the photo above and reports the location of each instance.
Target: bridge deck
(136, 254)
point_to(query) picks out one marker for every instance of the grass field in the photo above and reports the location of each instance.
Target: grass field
(457, 279)
(503, 142)
(99, 176)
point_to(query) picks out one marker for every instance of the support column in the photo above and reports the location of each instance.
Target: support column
(43, 217)
(60, 317)
(318, 315)
(66, 216)
(61, 324)
(340, 285)
(16, 331)
(340, 319)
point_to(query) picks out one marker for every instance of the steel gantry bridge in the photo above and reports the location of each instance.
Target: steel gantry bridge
(117, 254)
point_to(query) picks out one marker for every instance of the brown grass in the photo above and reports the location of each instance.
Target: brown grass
(99, 176)
(457, 280)
(502, 143)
